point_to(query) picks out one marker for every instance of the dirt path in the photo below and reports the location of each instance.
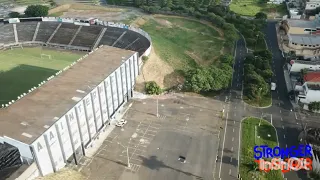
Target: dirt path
(192, 19)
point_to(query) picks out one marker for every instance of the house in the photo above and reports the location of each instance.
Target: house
(296, 66)
(308, 92)
(312, 4)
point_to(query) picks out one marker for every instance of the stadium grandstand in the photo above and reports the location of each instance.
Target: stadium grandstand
(56, 123)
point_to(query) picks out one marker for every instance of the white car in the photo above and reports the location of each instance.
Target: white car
(121, 123)
(273, 86)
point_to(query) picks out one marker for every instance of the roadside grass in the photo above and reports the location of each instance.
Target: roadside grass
(184, 43)
(252, 7)
(265, 101)
(57, 14)
(250, 130)
(79, 6)
(22, 69)
(31, 2)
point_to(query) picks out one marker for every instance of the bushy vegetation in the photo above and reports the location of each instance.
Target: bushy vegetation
(153, 88)
(257, 78)
(36, 11)
(212, 78)
(145, 58)
(314, 106)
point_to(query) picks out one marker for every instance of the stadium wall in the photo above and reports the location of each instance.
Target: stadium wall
(74, 133)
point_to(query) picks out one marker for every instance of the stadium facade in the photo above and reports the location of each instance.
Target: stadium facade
(57, 122)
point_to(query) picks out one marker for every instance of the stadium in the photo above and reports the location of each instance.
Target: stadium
(63, 81)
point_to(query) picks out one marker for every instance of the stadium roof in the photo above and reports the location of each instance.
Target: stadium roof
(303, 23)
(305, 39)
(42, 107)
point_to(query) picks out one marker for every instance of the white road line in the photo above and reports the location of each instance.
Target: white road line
(295, 114)
(282, 127)
(229, 171)
(280, 110)
(232, 138)
(281, 119)
(235, 107)
(235, 114)
(234, 122)
(284, 136)
(232, 129)
(286, 145)
(231, 159)
(232, 149)
(224, 139)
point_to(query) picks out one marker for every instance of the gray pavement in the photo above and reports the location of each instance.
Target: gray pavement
(186, 126)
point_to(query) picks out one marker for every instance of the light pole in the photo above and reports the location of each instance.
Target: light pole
(127, 153)
(157, 106)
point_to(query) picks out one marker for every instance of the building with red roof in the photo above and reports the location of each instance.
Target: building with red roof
(312, 77)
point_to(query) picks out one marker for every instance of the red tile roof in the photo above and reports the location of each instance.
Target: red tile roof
(312, 77)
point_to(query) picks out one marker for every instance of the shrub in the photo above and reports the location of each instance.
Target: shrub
(14, 15)
(153, 88)
(145, 58)
(36, 11)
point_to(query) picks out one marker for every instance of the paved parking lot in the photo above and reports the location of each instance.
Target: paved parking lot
(186, 126)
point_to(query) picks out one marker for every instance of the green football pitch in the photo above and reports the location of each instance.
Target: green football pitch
(22, 69)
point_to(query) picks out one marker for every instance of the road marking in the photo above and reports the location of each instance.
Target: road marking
(233, 130)
(235, 114)
(229, 171)
(278, 97)
(231, 159)
(234, 122)
(282, 127)
(286, 145)
(231, 149)
(295, 115)
(232, 138)
(235, 107)
(280, 110)
(284, 136)
(281, 119)
(224, 139)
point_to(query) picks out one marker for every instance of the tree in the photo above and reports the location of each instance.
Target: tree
(267, 74)
(227, 58)
(14, 15)
(153, 88)
(261, 15)
(36, 11)
(198, 80)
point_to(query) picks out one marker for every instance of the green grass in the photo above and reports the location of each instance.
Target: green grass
(31, 2)
(57, 14)
(249, 139)
(264, 101)
(184, 43)
(252, 7)
(22, 69)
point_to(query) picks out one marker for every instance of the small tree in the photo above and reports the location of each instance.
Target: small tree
(36, 11)
(145, 58)
(261, 15)
(153, 88)
(14, 15)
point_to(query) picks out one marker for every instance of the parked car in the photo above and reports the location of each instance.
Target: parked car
(121, 123)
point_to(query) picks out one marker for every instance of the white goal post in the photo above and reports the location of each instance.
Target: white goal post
(45, 56)
(16, 46)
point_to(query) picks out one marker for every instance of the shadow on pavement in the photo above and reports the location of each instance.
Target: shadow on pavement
(154, 164)
(226, 160)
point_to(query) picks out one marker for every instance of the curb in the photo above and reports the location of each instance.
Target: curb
(264, 107)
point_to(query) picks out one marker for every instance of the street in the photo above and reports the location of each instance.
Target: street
(287, 122)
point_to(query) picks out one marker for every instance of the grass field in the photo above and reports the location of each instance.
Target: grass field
(252, 7)
(184, 43)
(249, 138)
(22, 69)
(265, 101)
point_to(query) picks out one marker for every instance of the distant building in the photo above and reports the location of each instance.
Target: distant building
(296, 66)
(312, 4)
(309, 92)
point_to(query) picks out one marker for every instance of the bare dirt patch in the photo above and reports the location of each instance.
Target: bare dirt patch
(65, 174)
(103, 13)
(163, 22)
(154, 69)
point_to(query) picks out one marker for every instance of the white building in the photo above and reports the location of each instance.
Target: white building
(57, 122)
(308, 92)
(296, 66)
(312, 4)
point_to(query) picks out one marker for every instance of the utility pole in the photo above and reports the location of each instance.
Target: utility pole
(128, 158)
(157, 106)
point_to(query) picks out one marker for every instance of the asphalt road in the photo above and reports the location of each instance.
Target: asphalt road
(287, 122)
(228, 158)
